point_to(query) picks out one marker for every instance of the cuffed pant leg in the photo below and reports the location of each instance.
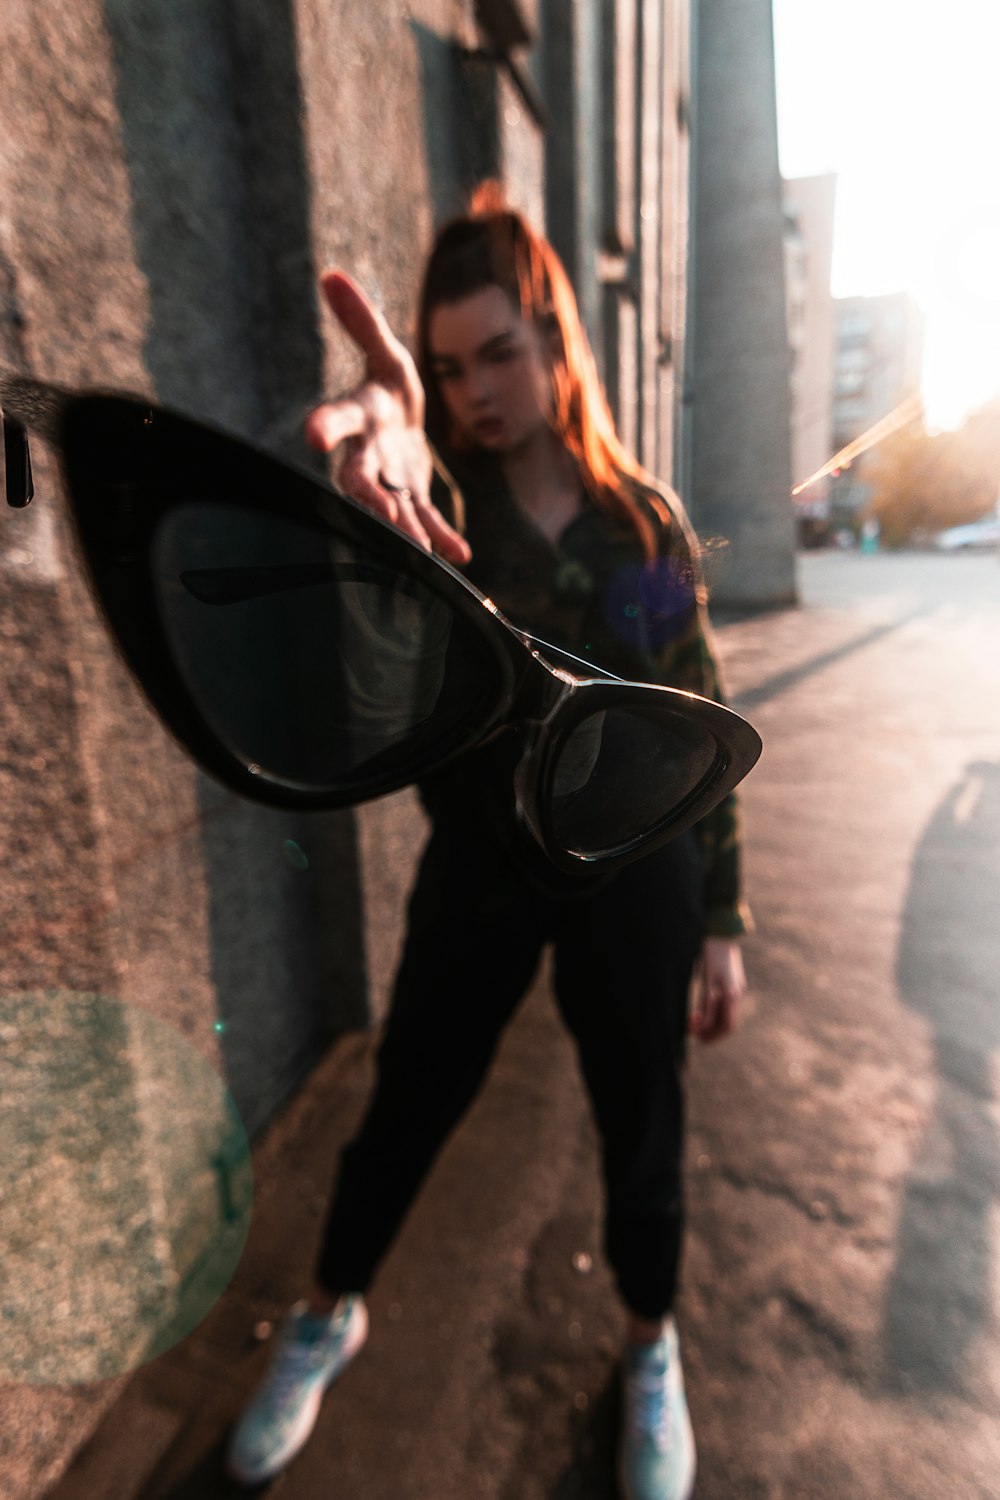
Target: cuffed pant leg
(623, 968)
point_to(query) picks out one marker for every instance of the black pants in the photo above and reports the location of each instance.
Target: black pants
(624, 952)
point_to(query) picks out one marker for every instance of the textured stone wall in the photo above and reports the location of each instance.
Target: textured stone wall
(172, 177)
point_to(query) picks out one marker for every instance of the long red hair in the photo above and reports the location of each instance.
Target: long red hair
(493, 245)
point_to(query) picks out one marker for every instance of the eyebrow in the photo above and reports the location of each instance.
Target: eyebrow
(494, 342)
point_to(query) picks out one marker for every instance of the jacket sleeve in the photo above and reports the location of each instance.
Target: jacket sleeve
(686, 658)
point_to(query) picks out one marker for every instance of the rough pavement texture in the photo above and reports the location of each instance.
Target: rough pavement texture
(839, 1317)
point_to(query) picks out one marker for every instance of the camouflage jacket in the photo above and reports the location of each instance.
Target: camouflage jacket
(595, 593)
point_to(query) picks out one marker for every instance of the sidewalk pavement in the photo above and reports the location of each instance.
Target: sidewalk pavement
(839, 1313)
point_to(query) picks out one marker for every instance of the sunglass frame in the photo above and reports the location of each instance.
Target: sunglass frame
(116, 540)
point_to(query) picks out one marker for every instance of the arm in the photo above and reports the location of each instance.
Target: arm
(684, 656)
(388, 465)
(688, 660)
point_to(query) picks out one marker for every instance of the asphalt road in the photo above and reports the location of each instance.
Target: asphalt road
(842, 1295)
(841, 1288)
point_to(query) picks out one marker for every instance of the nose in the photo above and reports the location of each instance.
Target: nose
(479, 387)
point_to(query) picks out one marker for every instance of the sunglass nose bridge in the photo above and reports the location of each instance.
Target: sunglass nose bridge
(18, 482)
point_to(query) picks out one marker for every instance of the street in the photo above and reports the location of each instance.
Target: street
(842, 1291)
(839, 1317)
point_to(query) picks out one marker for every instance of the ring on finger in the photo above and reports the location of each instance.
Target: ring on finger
(397, 489)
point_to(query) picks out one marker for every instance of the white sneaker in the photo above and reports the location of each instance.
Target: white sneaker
(310, 1352)
(657, 1449)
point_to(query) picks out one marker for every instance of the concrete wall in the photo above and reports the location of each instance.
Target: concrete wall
(172, 178)
(739, 398)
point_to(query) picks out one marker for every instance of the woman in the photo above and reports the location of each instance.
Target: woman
(574, 542)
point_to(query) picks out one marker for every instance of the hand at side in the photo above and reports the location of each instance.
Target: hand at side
(720, 983)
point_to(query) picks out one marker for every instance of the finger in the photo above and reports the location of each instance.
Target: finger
(697, 998)
(702, 1017)
(328, 426)
(427, 521)
(720, 1018)
(360, 318)
(408, 521)
(706, 1001)
(451, 544)
(359, 481)
(360, 477)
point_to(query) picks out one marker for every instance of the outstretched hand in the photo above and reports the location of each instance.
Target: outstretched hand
(388, 464)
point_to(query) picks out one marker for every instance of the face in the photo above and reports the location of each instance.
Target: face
(492, 369)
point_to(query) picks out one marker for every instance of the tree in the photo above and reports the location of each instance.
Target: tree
(921, 484)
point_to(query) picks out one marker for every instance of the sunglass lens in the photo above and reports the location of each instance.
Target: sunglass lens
(318, 666)
(621, 772)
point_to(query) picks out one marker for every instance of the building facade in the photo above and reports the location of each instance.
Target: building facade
(174, 178)
(877, 368)
(809, 217)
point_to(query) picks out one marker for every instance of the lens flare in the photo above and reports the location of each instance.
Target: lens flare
(296, 855)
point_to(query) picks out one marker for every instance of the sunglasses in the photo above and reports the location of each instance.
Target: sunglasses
(309, 655)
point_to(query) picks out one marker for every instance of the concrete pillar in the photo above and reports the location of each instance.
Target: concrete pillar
(740, 476)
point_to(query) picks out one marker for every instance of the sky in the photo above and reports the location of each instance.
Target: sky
(901, 98)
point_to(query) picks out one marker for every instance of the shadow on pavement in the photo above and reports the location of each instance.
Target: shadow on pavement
(206, 1480)
(590, 1473)
(947, 971)
(780, 682)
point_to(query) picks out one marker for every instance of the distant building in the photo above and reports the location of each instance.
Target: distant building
(877, 366)
(809, 213)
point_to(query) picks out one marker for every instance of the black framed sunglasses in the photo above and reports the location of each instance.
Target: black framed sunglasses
(309, 655)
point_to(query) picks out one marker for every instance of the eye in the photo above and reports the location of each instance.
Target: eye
(502, 352)
(444, 373)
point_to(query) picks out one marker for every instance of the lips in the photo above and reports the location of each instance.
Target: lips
(488, 427)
